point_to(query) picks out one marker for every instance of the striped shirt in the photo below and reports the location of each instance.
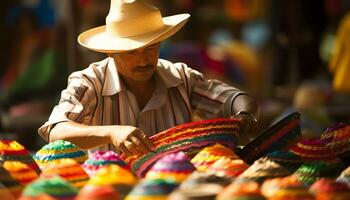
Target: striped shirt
(97, 96)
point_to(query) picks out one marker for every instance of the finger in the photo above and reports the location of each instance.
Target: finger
(123, 149)
(139, 144)
(132, 148)
(145, 140)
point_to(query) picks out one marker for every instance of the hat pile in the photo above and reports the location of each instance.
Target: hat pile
(121, 179)
(149, 189)
(287, 159)
(57, 150)
(11, 150)
(228, 167)
(12, 185)
(175, 166)
(68, 169)
(246, 191)
(209, 155)
(102, 158)
(285, 188)
(20, 171)
(54, 187)
(98, 192)
(263, 169)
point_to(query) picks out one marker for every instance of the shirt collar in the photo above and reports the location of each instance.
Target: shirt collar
(113, 85)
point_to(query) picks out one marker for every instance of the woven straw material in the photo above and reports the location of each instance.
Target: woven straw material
(57, 150)
(187, 137)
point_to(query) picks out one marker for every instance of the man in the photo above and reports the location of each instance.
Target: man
(132, 94)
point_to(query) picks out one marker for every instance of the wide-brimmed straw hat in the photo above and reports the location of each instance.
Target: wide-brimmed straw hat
(131, 24)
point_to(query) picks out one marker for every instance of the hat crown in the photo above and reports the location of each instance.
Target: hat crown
(127, 18)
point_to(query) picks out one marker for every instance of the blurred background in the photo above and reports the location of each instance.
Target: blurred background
(292, 55)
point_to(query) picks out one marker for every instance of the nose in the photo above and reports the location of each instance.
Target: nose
(141, 57)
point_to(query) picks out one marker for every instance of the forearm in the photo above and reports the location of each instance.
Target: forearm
(84, 136)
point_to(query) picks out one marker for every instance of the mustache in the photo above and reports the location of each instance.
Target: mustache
(143, 66)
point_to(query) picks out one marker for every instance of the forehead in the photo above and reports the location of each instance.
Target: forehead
(151, 47)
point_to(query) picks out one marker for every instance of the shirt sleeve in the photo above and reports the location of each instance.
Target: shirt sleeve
(212, 98)
(76, 103)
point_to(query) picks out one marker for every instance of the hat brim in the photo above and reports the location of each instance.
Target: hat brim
(97, 39)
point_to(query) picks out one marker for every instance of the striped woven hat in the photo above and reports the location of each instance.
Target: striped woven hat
(11, 150)
(57, 150)
(279, 137)
(20, 171)
(101, 158)
(12, 185)
(287, 159)
(67, 169)
(209, 155)
(186, 137)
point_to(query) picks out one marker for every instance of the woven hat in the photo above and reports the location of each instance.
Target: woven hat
(187, 137)
(149, 189)
(57, 150)
(279, 137)
(102, 158)
(131, 24)
(228, 167)
(22, 172)
(54, 187)
(11, 150)
(175, 166)
(209, 155)
(330, 189)
(67, 169)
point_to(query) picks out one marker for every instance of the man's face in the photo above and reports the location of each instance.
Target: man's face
(139, 64)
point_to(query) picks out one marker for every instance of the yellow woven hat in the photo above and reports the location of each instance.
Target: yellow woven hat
(131, 24)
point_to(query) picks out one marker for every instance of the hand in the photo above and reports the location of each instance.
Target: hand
(130, 140)
(248, 126)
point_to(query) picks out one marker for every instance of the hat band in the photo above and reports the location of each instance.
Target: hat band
(138, 25)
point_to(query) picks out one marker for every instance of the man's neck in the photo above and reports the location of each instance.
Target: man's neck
(136, 86)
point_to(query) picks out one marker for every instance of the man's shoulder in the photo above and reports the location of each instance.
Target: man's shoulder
(94, 72)
(95, 68)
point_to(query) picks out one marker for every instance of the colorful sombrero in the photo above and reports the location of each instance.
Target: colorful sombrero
(152, 189)
(339, 137)
(176, 166)
(12, 185)
(279, 137)
(287, 159)
(54, 187)
(330, 189)
(308, 173)
(57, 150)
(68, 169)
(200, 178)
(209, 155)
(344, 176)
(263, 169)
(11, 150)
(285, 188)
(98, 192)
(228, 167)
(186, 137)
(314, 150)
(102, 158)
(241, 191)
(123, 180)
(20, 171)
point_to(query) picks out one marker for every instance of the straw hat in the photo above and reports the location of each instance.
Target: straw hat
(131, 24)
